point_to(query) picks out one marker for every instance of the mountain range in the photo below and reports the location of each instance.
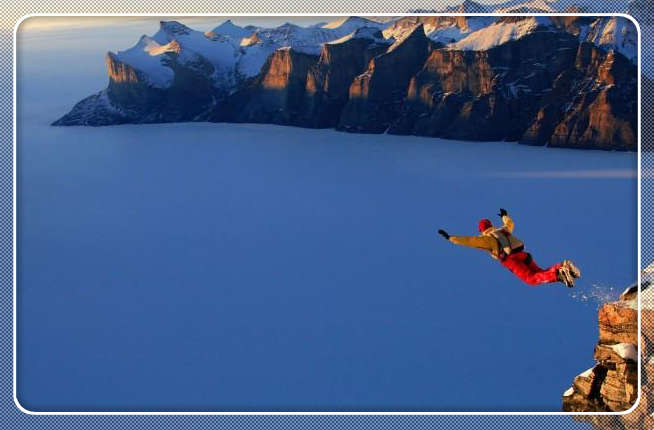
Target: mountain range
(565, 81)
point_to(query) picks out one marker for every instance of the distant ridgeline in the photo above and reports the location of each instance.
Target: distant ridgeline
(557, 81)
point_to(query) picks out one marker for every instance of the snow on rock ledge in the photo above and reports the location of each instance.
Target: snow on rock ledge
(501, 32)
(627, 351)
(612, 384)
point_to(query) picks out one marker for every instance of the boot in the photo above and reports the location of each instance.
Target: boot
(574, 270)
(563, 275)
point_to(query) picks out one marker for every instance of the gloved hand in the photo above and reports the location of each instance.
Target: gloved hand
(444, 234)
(503, 212)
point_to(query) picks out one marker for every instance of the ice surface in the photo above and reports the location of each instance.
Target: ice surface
(327, 230)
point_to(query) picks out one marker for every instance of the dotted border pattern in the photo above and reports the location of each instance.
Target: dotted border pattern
(13, 418)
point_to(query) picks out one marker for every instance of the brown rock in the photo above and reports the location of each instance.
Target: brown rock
(618, 323)
(641, 416)
(486, 95)
(328, 82)
(276, 95)
(612, 384)
(376, 96)
(583, 383)
(603, 115)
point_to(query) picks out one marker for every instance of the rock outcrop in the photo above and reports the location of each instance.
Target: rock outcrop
(485, 95)
(642, 416)
(376, 96)
(276, 95)
(328, 82)
(600, 114)
(611, 385)
(173, 84)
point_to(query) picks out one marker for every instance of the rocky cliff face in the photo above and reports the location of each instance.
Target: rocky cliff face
(276, 95)
(601, 113)
(328, 82)
(560, 81)
(612, 384)
(133, 96)
(376, 96)
(642, 417)
(485, 95)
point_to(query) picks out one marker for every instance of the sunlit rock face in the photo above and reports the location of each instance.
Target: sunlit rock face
(548, 81)
(328, 82)
(276, 95)
(485, 95)
(376, 96)
(617, 324)
(612, 384)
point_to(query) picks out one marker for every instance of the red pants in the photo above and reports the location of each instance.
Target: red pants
(525, 268)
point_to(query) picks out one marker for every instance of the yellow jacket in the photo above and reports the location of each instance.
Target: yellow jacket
(482, 241)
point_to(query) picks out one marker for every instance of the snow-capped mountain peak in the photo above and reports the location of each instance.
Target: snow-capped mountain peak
(229, 29)
(351, 23)
(234, 52)
(500, 32)
(613, 33)
(172, 28)
(530, 6)
(146, 56)
(371, 33)
(468, 6)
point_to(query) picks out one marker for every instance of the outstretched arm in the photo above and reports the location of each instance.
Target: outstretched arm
(479, 242)
(508, 222)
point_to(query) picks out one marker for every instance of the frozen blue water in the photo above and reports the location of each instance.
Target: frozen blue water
(256, 267)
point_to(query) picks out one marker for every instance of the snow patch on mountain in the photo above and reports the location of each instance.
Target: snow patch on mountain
(147, 57)
(553, 6)
(229, 29)
(262, 42)
(253, 58)
(400, 38)
(236, 52)
(468, 6)
(349, 24)
(301, 39)
(310, 39)
(499, 33)
(615, 33)
(453, 33)
(626, 350)
(586, 373)
(534, 6)
(370, 33)
(220, 53)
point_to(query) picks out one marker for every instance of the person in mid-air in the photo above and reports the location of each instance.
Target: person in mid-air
(509, 250)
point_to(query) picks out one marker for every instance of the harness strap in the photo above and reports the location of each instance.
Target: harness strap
(528, 259)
